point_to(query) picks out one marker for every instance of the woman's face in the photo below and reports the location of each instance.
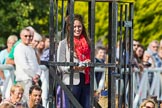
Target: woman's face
(17, 95)
(101, 54)
(41, 45)
(146, 57)
(10, 43)
(77, 28)
(139, 52)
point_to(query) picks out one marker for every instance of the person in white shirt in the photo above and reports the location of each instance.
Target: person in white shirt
(27, 67)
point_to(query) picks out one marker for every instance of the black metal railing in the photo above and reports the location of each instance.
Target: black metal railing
(120, 28)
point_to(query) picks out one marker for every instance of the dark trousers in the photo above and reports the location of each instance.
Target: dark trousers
(98, 76)
(81, 92)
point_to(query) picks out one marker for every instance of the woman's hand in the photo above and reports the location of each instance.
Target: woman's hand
(82, 66)
(87, 61)
(78, 68)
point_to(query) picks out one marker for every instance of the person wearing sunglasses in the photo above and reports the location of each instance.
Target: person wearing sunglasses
(35, 38)
(27, 67)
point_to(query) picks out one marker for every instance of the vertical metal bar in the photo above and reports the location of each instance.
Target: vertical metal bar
(112, 51)
(71, 44)
(125, 57)
(53, 44)
(56, 38)
(89, 18)
(131, 95)
(120, 57)
(92, 35)
(63, 21)
(56, 28)
(51, 32)
(71, 36)
(61, 37)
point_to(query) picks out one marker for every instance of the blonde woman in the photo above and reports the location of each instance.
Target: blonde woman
(4, 53)
(148, 103)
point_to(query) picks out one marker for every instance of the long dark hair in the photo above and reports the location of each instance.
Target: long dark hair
(79, 18)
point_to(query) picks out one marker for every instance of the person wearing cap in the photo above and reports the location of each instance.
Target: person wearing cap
(27, 66)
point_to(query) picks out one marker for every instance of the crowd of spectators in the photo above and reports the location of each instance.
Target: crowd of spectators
(27, 52)
(148, 58)
(24, 54)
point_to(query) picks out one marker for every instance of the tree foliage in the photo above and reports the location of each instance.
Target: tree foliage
(148, 20)
(101, 19)
(16, 14)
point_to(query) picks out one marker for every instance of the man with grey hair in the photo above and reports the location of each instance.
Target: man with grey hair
(36, 37)
(34, 42)
(27, 67)
(153, 51)
(153, 47)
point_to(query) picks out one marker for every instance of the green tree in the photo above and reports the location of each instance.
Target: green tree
(101, 19)
(148, 21)
(17, 14)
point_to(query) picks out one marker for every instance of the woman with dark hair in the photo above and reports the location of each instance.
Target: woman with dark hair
(81, 78)
(139, 53)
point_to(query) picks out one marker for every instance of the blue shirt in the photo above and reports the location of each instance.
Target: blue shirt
(45, 55)
(157, 60)
(3, 55)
